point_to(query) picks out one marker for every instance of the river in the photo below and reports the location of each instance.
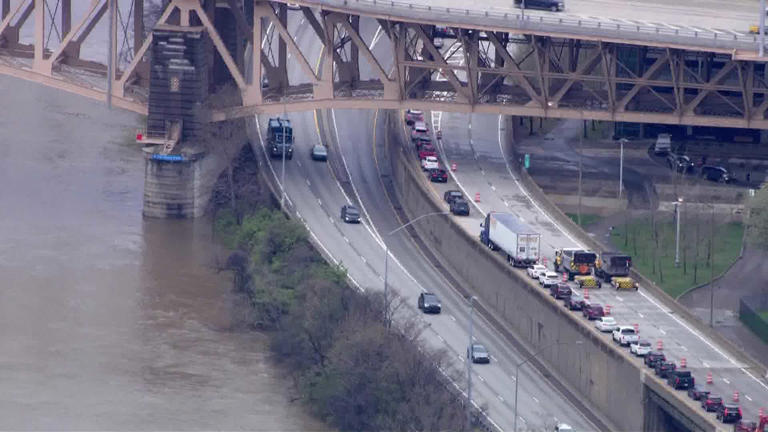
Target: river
(108, 320)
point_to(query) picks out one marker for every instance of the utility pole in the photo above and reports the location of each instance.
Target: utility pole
(110, 51)
(522, 9)
(712, 268)
(282, 169)
(469, 364)
(677, 232)
(621, 165)
(581, 137)
(762, 28)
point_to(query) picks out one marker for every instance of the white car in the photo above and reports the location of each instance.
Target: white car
(562, 427)
(625, 335)
(430, 162)
(536, 270)
(640, 348)
(606, 324)
(548, 279)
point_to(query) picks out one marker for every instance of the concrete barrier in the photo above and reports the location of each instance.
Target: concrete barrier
(605, 379)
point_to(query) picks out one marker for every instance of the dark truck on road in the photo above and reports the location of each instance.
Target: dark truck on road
(612, 264)
(574, 261)
(280, 137)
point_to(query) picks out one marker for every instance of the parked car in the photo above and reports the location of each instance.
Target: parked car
(478, 354)
(640, 348)
(716, 174)
(460, 207)
(663, 144)
(438, 42)
(350, 214)
(606, 324)
(664, 368)
(592, 311)
(429, 303)
(729, 413)
(412, 116)
(697, 393)
(429, 163)
(548, 279)
(438, 176)
(575, 302)
(553, 5)
(560, 290)
(711, 403)
(654, 357)
(451, 195)
(625, 335)
(319, 153)
(680, 379)
(679, 163)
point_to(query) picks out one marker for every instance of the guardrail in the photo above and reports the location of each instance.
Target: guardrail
(394, 9)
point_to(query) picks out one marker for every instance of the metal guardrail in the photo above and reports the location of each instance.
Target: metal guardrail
(403, 9)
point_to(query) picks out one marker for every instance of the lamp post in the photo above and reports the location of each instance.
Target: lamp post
(517, 372)
(386, 255)
(469, 362)
(282, 170)
(621, 165)
(712, 269)
(522, 9)
(677, 232)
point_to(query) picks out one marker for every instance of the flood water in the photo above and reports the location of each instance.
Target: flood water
(107, 320)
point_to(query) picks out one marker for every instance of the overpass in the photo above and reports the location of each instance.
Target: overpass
(554, 74)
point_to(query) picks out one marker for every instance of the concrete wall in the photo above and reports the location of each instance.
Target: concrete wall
(595, 372)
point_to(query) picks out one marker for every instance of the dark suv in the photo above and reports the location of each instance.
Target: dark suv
(429, 303)
(574, 302)
(593, 311)
(553, 5)
(680, 379)
(697, 393)
(663, 369)
(716, 174)
(460, 207)
(654, 357)
(451, 195)
(560, 290)
(729, 413)
(350, 214)
(711, 403)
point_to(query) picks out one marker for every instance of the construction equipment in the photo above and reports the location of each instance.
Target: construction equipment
(612, 264)
(574, 261)
(626, 283)
(751, 426)
(588, 281)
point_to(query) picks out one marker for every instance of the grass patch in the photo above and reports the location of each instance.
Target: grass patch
(586, 219)
(764, 315)
(654, 256)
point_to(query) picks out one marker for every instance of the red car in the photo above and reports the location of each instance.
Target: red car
(423, 141)
(438, 176)
(593, 311)
(712, 403)
(427, 150)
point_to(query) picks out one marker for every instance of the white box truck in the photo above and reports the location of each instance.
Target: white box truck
(519, 242)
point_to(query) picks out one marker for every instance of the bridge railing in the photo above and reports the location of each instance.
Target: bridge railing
(704, 37)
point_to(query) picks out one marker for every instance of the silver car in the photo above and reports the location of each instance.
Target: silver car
(319, 153)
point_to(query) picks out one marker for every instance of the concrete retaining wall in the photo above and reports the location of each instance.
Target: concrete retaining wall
(597, 373)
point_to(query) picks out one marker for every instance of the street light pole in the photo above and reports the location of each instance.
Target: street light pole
(621, 165)
(677, 232)
(712, 269)
(469, 364)
(386, 301)
(522, 10)
(282, 170)
(517, 372)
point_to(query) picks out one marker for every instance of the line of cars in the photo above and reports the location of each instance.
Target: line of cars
(682, 164)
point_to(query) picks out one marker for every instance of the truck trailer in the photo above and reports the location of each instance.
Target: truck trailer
(520, 243)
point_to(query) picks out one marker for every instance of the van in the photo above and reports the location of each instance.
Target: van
(663, 144)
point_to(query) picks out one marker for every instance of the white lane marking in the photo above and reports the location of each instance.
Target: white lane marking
(493, 358)
(453, 317)
(365, 261)
(534, 398)
(522, 420)
(320, 203)
(662, 331)
(748, 398)
(619, 299)
(308, 183)
(461, 358)
(706, 365)
(481, 378)
(506, 203)
(641, 315)
(726, 380)
(345, 239)
(330, 219)
(298, 163)
(683, 347)
(441, 338)
(493, 188)
(499, 397)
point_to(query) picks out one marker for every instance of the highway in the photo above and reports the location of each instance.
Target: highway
(479, 154)
(317, 196)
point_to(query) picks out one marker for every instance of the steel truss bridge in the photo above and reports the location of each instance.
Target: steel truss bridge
(519, 68)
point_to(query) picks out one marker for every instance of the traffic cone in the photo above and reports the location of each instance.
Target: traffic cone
(683, 362)
(735, 396)
(637, 328)
(453, 166)
(761, 412)
(709, 378)
(477, 196)
(659, 345)
(607, 309)
(586, 293)
(565, 277)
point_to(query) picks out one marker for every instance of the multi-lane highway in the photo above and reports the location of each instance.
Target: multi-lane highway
(317, 194)
(480, 155)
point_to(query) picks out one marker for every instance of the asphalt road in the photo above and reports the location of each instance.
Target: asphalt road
(317, 196)
(483, 169)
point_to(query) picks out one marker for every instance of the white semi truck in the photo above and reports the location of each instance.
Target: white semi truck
(519, 242)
